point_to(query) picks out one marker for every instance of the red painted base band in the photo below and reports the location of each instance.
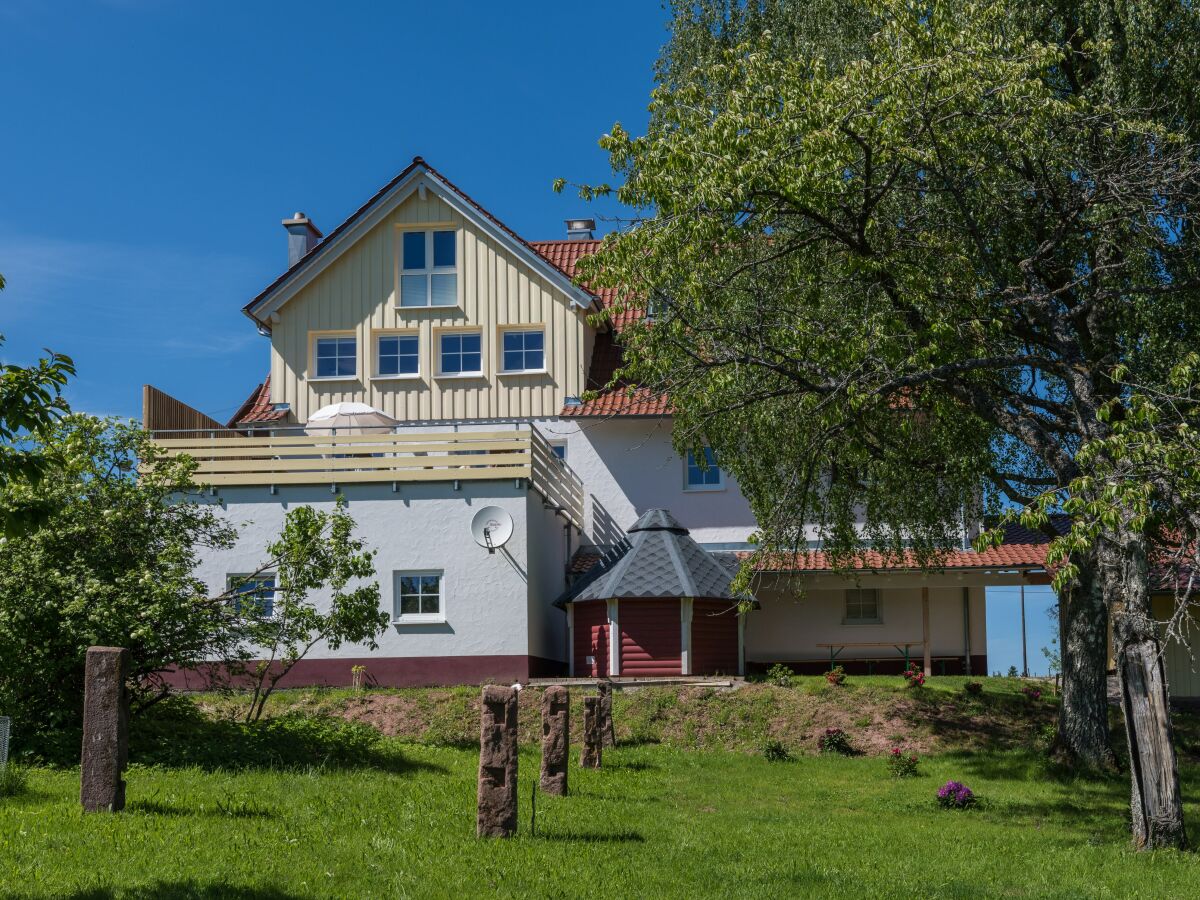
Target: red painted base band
(392, 671)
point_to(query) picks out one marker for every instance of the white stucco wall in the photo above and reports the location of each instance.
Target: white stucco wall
(628, 466)
(420, 527)
(790, 623)
(547, 551)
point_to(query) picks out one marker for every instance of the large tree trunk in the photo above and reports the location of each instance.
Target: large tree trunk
(1083, 734)
(1156, 803)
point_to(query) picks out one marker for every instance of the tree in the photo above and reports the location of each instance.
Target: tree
(315, 550)
(939, 255)
(112, 563)
(30, 403)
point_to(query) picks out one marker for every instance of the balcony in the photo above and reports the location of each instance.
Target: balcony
(290, 457)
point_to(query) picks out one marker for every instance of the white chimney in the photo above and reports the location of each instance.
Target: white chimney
(303, 235)
(581, 229)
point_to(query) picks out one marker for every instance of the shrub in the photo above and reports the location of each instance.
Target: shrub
(973, 687)
(775, 751)
(1032, 691)
(834, 740)
(12, 781)
(836, 675)
(914, 675)
(780, 675)
(902, 765)
(955, 795)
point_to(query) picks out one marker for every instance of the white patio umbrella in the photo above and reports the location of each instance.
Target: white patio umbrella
(349, 418)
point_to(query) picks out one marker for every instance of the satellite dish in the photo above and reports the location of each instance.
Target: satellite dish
(491, 528)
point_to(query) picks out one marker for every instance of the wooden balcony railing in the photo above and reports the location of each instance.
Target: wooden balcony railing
(406, 456)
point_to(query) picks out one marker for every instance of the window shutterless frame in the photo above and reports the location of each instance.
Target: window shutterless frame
(702, 476)
(418, 596)
(428, 268)
(253, 590)
(334, 356)
(459, 354)
(862, 607)
(397, 354)
(522, 350)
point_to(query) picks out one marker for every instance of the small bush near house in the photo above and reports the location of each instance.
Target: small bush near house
(834, 740)
(836, 675)
(914, 675)
(955, 795)
(780, 675)
(775, 751)
(12, 781)
(1032, 691)
(973, 687)
(901, 764)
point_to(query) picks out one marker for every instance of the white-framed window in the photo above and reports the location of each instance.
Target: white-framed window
(862, 607)
(428, 268)
(335, 356)
(418, 596)
(252, 594)
(701, 473)
(559, 449)
(397, 355)
(523, 350)
(460, 353)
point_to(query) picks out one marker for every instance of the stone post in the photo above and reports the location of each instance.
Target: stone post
(105, 729)
(556, 739)
(593, 740)
(608, 736)
(497, 798)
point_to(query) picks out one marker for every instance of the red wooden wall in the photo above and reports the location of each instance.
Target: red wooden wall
(650, 637)
(591, 638)
(714, 638)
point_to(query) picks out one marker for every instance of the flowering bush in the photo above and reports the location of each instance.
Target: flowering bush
(834, 740)
(836, 675)
(1033, 692)
(955, 795)
(973, 687)
(914, 675)
(902, 765)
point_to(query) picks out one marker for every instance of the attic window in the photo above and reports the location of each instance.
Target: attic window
(429, 268)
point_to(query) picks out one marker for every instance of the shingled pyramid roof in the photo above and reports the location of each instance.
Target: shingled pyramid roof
(659, 559)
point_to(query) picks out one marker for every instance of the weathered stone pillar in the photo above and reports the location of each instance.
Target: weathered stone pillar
(556, 739)
(497, 799)
(105, 729)
(608, 736)
(593, 740)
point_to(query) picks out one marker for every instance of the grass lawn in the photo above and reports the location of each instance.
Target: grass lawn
(661, 819)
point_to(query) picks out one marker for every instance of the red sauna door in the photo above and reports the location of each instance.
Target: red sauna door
(650, 637)
(714, 637)
(591, 639)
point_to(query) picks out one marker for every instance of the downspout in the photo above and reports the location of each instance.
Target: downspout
(966, 597)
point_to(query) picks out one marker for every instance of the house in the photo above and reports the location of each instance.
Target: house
(427, 311)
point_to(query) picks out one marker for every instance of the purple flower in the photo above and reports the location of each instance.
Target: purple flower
(955, 794)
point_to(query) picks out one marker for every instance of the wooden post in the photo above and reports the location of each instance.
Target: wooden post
(925, 629)
(105, 729)
(496, 811)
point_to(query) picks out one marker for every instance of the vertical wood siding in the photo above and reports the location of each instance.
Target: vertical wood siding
(162, 412)
(358, 293)
(651, 637)
(1182, 681)
(714, 638)
(591, 639)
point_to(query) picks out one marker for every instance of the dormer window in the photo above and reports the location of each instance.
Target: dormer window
(428, 268)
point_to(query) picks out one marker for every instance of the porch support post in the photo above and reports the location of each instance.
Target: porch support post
(925, 629)
(614, 639)
(742, 644)
(685, 636)
(966, 603)
(571, 639)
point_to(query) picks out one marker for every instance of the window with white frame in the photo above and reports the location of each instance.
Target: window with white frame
(418, 597)
(862, 606)
(524, 351)
(252, 594)
(460, 353)
(336, 356)
(428, 268)
(702, 472)
(397, 355)
(559, 449)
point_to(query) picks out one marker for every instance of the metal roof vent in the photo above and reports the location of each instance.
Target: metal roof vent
(581, 229)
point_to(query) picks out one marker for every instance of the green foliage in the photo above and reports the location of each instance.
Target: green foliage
(836, 675)
(112, 564)
(316, 551)
(14, 780)
(903, 765)
(776, 751)
(835, 740)
(780, 675)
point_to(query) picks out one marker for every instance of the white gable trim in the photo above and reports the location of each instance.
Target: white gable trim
(422, 180)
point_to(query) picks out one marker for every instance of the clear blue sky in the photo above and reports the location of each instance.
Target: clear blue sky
(150, 149)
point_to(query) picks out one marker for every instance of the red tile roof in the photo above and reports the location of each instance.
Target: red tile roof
(257, 407)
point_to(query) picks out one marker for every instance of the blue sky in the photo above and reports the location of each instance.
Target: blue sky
(151, 148)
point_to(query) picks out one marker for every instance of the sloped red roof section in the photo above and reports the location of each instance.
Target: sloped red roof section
(257, 407)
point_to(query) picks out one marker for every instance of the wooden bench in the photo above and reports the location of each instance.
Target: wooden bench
(900, 647)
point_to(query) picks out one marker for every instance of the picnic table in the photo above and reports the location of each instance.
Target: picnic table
(899, 646)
